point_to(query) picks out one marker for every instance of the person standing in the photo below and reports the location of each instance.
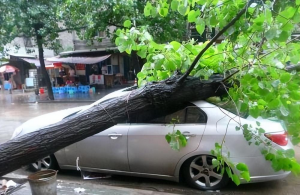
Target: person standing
(2, 81)
(12, 81)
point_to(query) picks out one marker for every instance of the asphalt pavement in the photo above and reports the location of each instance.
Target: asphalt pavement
(15, 109)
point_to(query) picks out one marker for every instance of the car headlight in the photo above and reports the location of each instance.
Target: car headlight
(17, 131)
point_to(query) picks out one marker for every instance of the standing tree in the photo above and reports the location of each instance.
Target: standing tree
(99, 15)
(252, 59)
(33, 19)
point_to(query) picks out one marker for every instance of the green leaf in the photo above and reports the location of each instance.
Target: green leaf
(215, 162)
(270, 156)
(183, 10)
(176, 45)
(290, 153)
(287, 27)
(271, 33)
(163, 12)
(127, 24)
(168, 138)
(295, 95)
(142, 53)
(147, 11)
(244, 107)
(236, 180)
(288, 12)
(254, 111)
(283, 36)
(237, 128)
(246, 175)
(257, 123)
(274, 104)
(297, 2)
(217, 145)
(162, 75)
(170, 66)
(285, 77)
(261, 131)
(174, 5)
(200, 28)
(193, 15)
(141, 76)
(228, 171)
(241, 167)
(213, 20)
(183, 140)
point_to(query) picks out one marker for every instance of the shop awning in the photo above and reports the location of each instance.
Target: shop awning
(36, 62)
(78, 60)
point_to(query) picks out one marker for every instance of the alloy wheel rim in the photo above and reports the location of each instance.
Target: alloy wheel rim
(203, 173)
(42, 164)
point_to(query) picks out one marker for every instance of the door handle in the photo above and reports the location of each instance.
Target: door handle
(188, 134)
(114, 135)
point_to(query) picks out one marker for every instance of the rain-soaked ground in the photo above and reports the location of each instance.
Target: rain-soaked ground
(14, 110)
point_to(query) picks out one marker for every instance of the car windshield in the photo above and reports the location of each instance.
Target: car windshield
(228, 105)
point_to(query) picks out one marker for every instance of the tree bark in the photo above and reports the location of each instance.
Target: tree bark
(148, 102)
(39, 39)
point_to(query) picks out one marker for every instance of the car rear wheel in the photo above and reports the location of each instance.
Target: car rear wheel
(49, 162)
(199, 173)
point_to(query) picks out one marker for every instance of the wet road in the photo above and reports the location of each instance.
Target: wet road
(14, 114)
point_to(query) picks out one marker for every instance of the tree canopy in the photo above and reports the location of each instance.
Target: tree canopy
(99, 15)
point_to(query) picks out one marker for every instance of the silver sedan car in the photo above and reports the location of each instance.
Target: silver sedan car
(139, 148)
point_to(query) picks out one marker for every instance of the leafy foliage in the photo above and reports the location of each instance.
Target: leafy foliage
(176, 139)
(97, 15)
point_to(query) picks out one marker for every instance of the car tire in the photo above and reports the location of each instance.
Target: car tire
(49, 162)
(199, 173)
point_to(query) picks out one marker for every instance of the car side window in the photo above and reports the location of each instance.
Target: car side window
(195, 115)
(179, 115)
(189, 115)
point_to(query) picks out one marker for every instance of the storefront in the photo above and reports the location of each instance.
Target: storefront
(98, 71)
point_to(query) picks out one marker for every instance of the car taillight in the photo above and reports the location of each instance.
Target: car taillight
(279, 138)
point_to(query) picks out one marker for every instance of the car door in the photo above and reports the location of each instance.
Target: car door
(105, 150)
(148, 150)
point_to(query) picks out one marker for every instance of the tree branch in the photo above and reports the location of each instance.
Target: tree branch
(237, 17)
(231, 75)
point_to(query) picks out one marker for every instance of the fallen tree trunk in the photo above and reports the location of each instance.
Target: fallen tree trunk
(148, 102)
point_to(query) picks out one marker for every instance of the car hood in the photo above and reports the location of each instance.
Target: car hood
(39, 122)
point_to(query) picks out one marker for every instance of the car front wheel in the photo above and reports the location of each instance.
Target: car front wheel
(200, 173)
(49, 162)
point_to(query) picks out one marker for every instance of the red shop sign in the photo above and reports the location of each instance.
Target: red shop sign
(80, 66)
(57, 65)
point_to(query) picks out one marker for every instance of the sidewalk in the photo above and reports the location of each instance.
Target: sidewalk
(18, 96)
(83, 188)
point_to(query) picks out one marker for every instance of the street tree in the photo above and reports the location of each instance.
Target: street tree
(251, 61)
(32, 19)
(100, 15)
